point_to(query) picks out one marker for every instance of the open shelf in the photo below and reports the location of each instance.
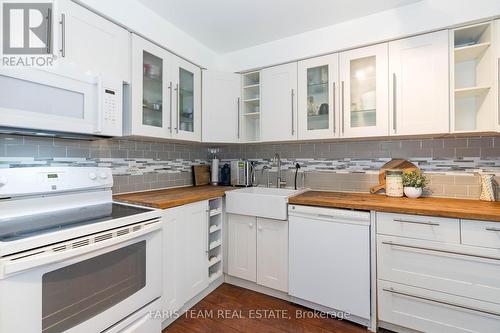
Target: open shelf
(255, 85)
(471, 92)
(250, 115)
(471, 52)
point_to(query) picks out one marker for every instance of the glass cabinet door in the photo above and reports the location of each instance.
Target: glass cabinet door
(364, 91)
(152, 90)
(317, 79)
(186, 101)
(151, 104)
(187, 122)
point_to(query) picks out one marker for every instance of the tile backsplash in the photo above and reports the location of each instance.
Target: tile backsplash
(452, 163)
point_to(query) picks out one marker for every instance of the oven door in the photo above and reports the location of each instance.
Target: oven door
(87, 288)
(57, 101)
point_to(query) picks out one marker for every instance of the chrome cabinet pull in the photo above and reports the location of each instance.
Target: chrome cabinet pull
(394, 104)
(238, 103)
(391, 290)
(334, 109)
(177, 108)
(49, 30)
(417, 222)
(492, 229)
(293, 123)
(170, 106)
(439, 250)
(342, 106)
(63, 35)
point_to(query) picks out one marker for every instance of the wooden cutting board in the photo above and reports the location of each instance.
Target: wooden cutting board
(403, 165)
(201, 175)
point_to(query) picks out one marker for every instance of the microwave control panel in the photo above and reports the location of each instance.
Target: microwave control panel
(111, 108)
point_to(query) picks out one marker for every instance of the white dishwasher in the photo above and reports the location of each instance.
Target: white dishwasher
(329, 258)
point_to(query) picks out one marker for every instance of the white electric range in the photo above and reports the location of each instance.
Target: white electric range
(72, 260)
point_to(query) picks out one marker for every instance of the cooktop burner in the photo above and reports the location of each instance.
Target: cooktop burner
(31, 225)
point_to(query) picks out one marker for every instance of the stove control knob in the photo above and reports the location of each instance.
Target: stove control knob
(92, 176)
(3, 180)
(103, 175)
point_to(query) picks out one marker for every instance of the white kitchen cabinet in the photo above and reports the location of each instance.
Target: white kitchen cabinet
(221, 106)
(187, 95)
(172, 270)
(497, 82)
(194, 253)
(317, 92)
(166, 94)
(150, 113)
(272, 253)
(364, 92)
(89, 43)
(279, 102)
(419, 84)
(185, 258)
(242, 246)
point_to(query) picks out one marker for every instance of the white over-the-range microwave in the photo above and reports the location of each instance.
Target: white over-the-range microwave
(59, 100)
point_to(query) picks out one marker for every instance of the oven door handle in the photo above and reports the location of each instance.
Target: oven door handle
(10, 266)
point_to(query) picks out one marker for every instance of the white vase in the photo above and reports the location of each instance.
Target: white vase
(413, 192)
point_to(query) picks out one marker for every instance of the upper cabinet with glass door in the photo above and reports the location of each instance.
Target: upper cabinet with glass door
(151, 98)
(317, 102)
(364, 92)
(187, 91)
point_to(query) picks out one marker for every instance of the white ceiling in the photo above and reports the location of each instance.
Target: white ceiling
(229, 25)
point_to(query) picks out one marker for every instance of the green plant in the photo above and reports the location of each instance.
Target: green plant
(414, 179)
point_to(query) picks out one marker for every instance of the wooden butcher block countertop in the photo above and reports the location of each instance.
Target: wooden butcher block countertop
(173, 197)
(442, 207)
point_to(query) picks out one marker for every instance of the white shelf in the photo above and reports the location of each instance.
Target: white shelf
(470, 52)
(217, 228)
(214, 276)
(251, 86)
(471, 91)
(215, 244)
(252, 114)
(215, 212)
(214, 261)
(252, 101)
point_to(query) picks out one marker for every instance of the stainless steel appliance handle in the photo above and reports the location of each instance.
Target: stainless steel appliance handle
(293, 121)
(334, 108)
(178, 120)
(238, 105)
(456, 305)
(439, 250)
(49, 30)
(342, 106)
(63, 35)
(417, 222)
(394, 104)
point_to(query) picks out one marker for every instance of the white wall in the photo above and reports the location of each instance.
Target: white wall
(412, 19)
(146, 22)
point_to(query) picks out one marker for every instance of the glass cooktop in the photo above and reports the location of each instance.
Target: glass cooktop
(31, 225)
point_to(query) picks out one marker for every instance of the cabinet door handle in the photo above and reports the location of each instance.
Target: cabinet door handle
(49, 30)
(416, 247)
(393, 291)
(178, 120)
(293, 121)
(170, 106)
(342, 106)
(63, 35)
(492, 229)
(334, 108)
(394, 104)
(238, 103)
(417, 222)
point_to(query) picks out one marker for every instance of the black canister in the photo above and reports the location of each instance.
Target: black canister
(225, 175)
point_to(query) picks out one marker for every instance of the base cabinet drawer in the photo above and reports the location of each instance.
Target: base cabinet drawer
(419, 227)
(478, 233)
(433, 312)
(451, 268)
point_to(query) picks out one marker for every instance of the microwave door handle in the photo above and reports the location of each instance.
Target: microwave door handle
(100, 105)
(43, 259)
